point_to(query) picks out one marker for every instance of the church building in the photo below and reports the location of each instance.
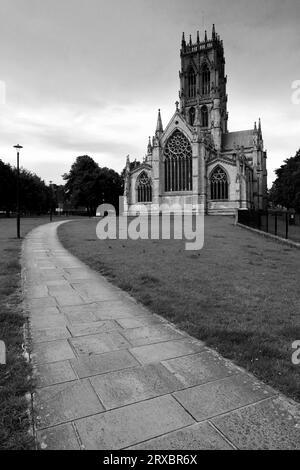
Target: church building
(195, 161)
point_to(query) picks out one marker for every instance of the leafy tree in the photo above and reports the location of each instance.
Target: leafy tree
(286, 188)
(82, 183)
(35, 196)
(7, 184)
(89, 185)
(111, 186)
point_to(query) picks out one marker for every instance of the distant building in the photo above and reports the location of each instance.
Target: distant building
(195, 160)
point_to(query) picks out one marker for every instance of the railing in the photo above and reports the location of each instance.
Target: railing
(284, 224)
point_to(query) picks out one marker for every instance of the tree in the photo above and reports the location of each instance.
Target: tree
(110, 186)
(7, 185)
(82, 183)
(35, 196)
(89, 185)
(286, 188)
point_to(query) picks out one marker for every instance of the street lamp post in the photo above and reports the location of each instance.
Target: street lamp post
(50, 182)
(18, 147)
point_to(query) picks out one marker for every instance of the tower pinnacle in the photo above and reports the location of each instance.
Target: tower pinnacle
(213, 35)
(159, 126)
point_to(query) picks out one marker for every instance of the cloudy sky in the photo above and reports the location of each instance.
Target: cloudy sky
(87, 76)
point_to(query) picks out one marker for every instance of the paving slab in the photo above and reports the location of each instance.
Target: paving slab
(79, 313)
(49, 274)
(137, 322)
(68, 298)
(52, 351)
(91, 290)
(165, 350)
(129, 386)
(200, 368)
(79, 274)
(151, 334)
(87, 366)
(132, 424)
(41, 304)
(214, 398)
(272, 424)
(50, 334)
(84, 329)
(45, 263)
(38, 292)
(119, 308)
(62, 437)
(65, 402)
(38, 322)
(67, 261)
(45, 312)
(101, 343)
(201, 436)
(59, 288)
(53, 373)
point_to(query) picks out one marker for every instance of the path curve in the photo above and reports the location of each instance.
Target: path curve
(112, 375)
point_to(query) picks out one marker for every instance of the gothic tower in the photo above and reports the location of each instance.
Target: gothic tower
(203, 99)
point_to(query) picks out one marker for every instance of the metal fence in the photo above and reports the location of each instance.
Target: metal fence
(285, 224)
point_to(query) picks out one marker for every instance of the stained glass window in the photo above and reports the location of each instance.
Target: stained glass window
(144, 188)
(218, 184)
(178, 163)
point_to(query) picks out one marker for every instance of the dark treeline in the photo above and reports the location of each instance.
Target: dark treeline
(87, 185)
(286, 188)
(35, 196)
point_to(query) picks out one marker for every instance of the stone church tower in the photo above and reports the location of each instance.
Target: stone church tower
(195, 162)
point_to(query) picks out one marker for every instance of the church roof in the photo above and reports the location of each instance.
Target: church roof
(238, 138)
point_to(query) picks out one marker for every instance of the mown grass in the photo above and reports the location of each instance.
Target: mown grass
(240, 293)
(15, 375)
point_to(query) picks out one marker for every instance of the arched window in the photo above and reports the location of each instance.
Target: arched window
(192, 115)
(191, 83)
(144, 188)
(205, 79)
(204, 116)
(178, 163)
(218, 184)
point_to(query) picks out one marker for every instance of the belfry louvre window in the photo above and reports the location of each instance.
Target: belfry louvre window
(218, 184)
(192, 113)
(178, 163)
(191, 83)
(204, 116)
(205, 78)
(144, 188)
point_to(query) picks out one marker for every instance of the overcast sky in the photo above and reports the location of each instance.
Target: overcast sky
(87, 76)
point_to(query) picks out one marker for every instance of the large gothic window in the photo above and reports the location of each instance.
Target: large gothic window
(204, 116)
(218, 184)
(205, 79)
(178, 163)
(144, 188)
(191, 83)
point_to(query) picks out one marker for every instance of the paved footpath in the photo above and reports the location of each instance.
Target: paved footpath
(112, 375)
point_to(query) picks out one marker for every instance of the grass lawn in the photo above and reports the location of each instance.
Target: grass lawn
(14, 376)
(240, 293)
